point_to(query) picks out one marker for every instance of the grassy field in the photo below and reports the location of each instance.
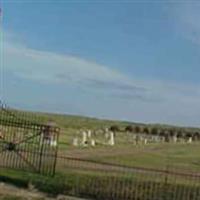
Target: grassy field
(124, 152)
(181, 156)
(89, 178)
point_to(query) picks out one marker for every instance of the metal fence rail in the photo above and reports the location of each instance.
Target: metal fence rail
(100, 180)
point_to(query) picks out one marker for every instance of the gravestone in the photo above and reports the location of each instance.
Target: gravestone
(189, 141)
(84, 140)
(75, 142)
(93, 143)
(89, 133)
(112, 139)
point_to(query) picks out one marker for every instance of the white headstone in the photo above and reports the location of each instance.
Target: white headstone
(75, 142)
(189, 140)
(107, 135)
(84, 141)
(53, 143)
(145, 141)
(134, 139)
(112, 139)
(93, 143)
(174, 139)
(106, 130)
(89, 133)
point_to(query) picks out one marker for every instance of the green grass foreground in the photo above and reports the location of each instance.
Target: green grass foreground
(98, 186)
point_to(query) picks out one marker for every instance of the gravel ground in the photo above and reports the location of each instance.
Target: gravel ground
(8, 192)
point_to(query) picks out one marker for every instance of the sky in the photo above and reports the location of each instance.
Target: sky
(126, 60)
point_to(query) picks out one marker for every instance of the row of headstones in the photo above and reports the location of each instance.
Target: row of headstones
(145, 139)
(87, 139)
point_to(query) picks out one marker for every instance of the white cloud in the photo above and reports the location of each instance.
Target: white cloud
(129, 98)
(48, 67)
(35, 64)
(54, 68)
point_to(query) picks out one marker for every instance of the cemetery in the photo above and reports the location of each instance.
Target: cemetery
(99, 159)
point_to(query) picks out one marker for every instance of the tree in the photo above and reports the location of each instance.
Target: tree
(129, 128)
(114, 128)
(162, 133)
(154, 131)
(137, 129)
(180, 134)
(167, 137)
(196, 136)
(146, 130)
(172, 132)
(188, 135)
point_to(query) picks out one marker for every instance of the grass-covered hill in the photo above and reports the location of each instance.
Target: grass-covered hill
(65, 121)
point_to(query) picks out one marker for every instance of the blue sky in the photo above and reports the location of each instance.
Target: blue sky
(126, 60)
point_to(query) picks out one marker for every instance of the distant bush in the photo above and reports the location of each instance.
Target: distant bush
(154, 131)
(114, 128)
(129, 129)
(162, 133)
(196, 136)
(180, 134)
(172, 132)
(137, 129)
(188, 135)
(146, 130)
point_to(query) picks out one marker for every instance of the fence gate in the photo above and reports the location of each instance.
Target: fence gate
(27, 144)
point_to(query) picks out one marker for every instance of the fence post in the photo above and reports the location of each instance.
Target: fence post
(165, 186)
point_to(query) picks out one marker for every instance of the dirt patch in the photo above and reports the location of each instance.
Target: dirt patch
(8, 192)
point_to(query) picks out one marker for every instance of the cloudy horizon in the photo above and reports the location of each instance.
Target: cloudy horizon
(140, 66)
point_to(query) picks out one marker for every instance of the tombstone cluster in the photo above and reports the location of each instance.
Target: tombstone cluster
(92, 138)
(157, 134)
(135, 134)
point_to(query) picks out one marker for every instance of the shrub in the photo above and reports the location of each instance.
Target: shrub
(114, 128)
(146, 130)
(154, 131)
(137, 129)
(129, 129)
